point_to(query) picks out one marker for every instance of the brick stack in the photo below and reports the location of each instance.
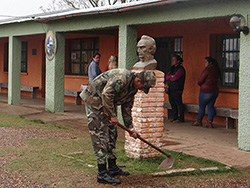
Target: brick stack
(147, 116)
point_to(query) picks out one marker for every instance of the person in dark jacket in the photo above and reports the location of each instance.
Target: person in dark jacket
(208, 91)
(175, 79)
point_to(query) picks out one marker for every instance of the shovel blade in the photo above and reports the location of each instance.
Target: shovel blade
(167, 163)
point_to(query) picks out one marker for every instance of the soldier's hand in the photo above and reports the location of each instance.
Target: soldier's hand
(134, 134)
(114, 120)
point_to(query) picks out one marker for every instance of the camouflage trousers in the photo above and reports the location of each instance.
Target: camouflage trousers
(103, 135)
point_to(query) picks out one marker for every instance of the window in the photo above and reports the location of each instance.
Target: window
(166, 48)
(178, 46)
(81, 53)
(228, 49)
(24, 57)
(6, 56)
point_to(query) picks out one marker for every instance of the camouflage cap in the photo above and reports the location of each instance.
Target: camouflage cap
(148, 79)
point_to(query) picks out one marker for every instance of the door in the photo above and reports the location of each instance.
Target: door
(166, 48)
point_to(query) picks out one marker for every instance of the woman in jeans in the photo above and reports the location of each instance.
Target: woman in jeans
(208, 91)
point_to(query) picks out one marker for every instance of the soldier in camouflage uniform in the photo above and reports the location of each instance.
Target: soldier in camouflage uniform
(103, 95)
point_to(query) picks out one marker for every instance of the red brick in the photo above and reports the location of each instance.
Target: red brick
(149, 104)
(147, 115)
(148, 120)
(157, 135)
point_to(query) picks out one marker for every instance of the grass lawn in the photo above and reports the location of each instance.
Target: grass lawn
(62, 156)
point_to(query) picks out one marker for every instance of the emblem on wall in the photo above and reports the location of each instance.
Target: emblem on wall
(50, 45)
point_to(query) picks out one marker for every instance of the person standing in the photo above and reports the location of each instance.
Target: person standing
(113, 63)
(94, 69)
(110, 89)
(175, 79)
(208, 91)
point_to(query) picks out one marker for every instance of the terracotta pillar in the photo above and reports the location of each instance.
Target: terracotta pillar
(147, 116)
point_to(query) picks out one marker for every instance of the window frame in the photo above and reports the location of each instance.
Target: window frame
(166, 48)
(223, 52)
(81, 50)
(24, 59)
(6, 57)
(178, 51)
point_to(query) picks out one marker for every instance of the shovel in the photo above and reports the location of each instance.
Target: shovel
(166, 163)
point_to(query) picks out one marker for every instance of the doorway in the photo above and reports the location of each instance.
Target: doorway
(166, 48)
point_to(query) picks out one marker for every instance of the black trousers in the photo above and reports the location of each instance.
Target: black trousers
(175, 99)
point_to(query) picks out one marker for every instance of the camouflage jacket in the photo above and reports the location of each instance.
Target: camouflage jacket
(110, 89)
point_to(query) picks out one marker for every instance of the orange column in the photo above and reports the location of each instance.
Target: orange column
(147, 116)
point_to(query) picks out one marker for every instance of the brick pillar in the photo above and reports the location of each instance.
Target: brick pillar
(147, 116)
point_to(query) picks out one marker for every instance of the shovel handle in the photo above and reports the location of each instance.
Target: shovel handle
(142, 139)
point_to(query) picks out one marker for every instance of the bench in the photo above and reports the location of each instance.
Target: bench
(76, 94)
(231, 114)
(32, 89)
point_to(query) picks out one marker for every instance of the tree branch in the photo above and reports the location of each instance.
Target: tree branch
(71, 4)
(93, 3)
(115, 1)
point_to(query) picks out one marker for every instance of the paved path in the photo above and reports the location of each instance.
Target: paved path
(218, 144)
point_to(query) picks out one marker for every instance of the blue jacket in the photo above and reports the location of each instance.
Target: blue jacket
(93, 71)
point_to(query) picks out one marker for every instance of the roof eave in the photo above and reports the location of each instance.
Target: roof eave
(110, 9)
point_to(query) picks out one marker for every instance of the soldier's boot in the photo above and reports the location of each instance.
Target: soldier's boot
(103, 176)
(114, 170)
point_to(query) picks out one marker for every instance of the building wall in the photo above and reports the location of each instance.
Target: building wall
(195, 34)
(196, 46)
(107, 47)
(34, 65)
(3, 75)
(33, 77)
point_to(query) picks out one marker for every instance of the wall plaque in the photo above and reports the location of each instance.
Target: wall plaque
(50, 45)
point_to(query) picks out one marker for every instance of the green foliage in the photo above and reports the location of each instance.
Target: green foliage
(45, 156)
(38, 121)
(181, 158)
(13, 121)
(48, 111)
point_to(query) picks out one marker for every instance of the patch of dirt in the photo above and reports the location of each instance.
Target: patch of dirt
(15, 136)
(80, 124)
(14, 179)
(147, 181)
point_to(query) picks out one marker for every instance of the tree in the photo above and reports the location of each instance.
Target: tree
(80, 4)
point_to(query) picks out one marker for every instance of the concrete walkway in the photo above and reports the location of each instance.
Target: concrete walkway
(218, 144)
